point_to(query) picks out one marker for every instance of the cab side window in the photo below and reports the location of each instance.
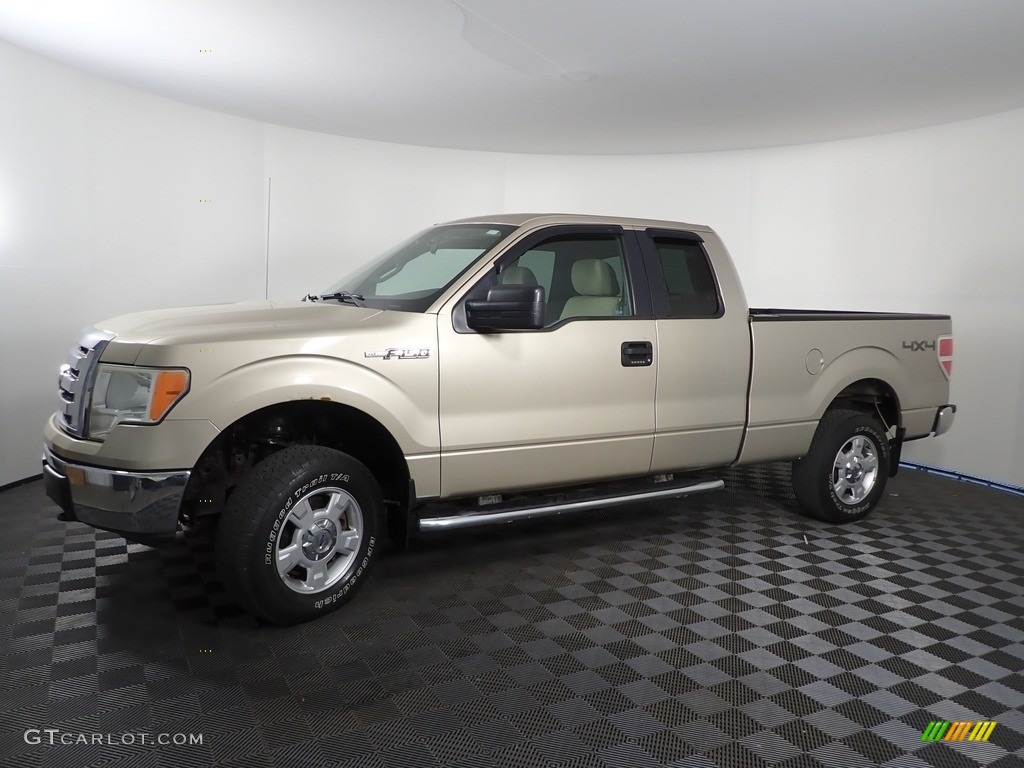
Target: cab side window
(582, 276)
(535, 267)
(691, 285)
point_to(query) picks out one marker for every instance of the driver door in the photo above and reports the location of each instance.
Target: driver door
(562, 404)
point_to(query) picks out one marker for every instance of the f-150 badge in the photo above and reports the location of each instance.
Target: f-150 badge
(399, 353)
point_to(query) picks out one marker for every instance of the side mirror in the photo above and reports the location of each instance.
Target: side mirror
(508, 308)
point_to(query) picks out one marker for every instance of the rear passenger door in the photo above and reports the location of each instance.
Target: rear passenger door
(704, 356)
(562, 404)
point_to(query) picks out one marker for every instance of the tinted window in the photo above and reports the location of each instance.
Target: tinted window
(537, 264)
(691, 285)
(582, 276)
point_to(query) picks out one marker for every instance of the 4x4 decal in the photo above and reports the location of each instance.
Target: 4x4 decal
(919, 346)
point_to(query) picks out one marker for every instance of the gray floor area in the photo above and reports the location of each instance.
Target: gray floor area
(722, 631)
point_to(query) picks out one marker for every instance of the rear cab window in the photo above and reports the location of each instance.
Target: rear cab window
(690, 288)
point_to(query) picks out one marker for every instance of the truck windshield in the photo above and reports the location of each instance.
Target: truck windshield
(411, 276)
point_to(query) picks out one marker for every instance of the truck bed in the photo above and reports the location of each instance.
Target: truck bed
(803, 358)
(769, 315)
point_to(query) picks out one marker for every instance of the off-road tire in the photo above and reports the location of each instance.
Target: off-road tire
(823, 488)
(301, 484)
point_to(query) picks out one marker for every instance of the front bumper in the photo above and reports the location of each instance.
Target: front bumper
(131, 503)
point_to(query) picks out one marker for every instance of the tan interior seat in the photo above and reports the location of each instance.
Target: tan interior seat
(518, 276)
(598, 290)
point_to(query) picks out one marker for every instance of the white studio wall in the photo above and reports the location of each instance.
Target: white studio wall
(100, 214)
(926, 220)
(338, 202)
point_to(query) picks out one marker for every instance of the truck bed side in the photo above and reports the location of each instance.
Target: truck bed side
(804, 359)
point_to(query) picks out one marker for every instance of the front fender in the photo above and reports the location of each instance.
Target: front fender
(403, 398)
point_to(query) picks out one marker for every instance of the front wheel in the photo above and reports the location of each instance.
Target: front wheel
(843, 475)
(299, 534)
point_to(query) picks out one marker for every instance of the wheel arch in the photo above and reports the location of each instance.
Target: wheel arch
(872, 396)
(266, 430)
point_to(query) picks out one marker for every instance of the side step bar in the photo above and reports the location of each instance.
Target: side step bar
(478, 517)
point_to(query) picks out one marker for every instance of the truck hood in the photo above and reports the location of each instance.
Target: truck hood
(241, 320)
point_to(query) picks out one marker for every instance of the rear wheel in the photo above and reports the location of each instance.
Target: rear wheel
(299, 534)
(842, 477)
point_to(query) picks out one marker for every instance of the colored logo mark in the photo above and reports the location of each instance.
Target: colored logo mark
(961, 730)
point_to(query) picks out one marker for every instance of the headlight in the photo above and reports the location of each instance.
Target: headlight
(124, 394)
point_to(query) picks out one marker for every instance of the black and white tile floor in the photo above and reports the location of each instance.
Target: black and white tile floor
(720, 631)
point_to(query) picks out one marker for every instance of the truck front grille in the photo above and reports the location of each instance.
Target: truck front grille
(76, 377)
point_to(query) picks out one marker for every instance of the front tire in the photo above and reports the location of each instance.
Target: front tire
(299, 534)
(842, 477)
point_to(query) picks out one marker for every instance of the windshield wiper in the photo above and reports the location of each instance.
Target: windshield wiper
(355, 299)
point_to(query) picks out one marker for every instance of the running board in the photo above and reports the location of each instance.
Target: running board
(480, 517)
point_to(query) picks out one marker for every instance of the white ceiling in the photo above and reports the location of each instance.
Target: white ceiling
(553, 76)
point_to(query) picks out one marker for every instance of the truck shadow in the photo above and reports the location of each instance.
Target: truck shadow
(772, 483)
(179, 582)
(759, 496)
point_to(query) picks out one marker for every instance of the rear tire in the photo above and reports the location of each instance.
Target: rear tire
(299, 534)
(842, 477)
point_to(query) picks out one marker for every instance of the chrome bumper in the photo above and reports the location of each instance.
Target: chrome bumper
(944, 419)
(139, 503)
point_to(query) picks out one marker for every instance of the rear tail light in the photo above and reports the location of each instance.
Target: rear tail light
(945, 353)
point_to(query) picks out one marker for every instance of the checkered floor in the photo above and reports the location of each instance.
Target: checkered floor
(720, 631)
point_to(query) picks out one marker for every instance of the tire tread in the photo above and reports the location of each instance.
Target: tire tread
(238, 531)
(811, 494)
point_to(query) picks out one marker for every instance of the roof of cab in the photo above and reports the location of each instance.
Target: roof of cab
(546, 219)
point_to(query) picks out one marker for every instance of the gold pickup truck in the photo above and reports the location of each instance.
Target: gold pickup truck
(486, 370)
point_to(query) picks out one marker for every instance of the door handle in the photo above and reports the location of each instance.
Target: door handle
(637, 353)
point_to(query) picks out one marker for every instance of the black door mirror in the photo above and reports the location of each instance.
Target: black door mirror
(508, 308)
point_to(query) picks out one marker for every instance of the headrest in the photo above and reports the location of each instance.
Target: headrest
(593, 277)
(518, 276)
